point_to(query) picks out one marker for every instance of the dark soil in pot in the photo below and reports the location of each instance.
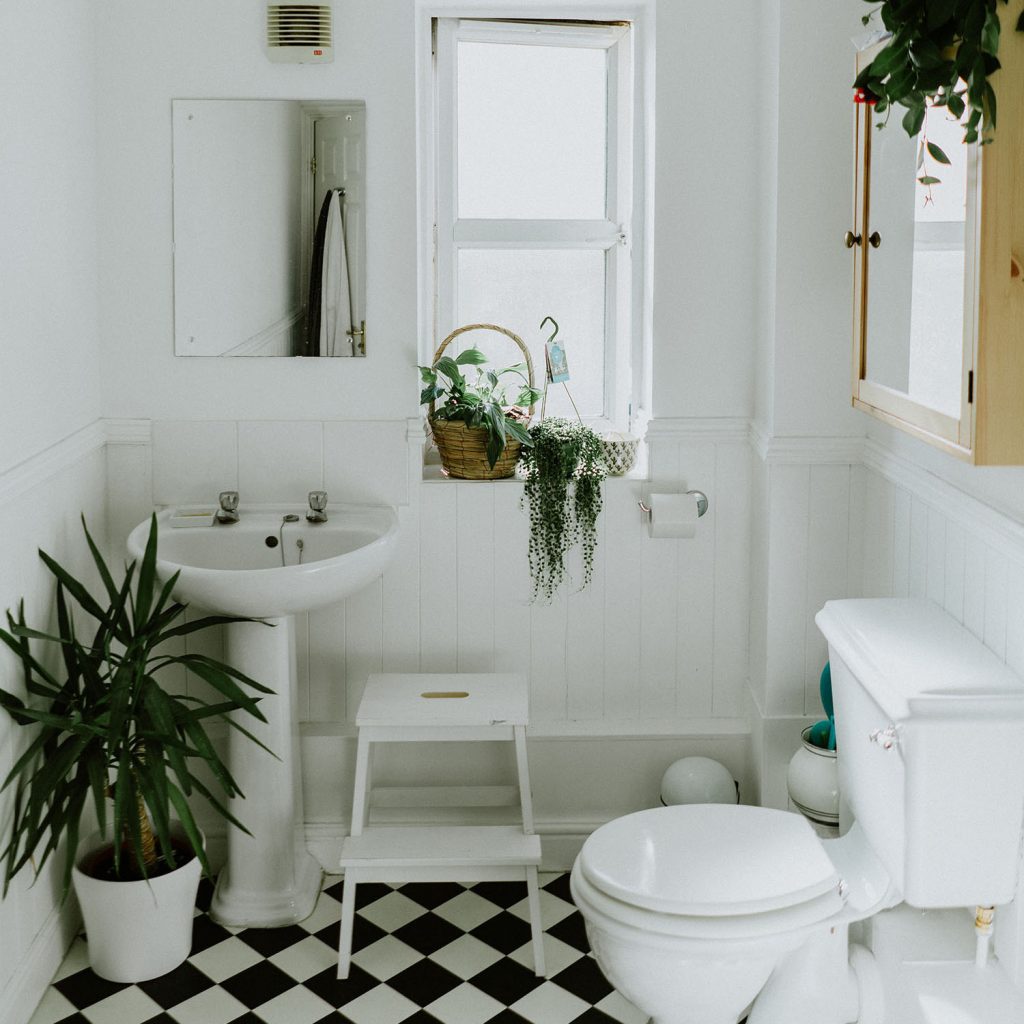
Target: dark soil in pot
(100, 863)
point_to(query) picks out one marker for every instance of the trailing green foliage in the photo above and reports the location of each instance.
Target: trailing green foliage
(103, 726)
(941, 54)
(564, 469)
(482, 402)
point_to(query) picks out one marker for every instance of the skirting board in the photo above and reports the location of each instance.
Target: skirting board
(31, 978)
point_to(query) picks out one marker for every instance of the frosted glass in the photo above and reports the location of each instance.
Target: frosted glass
(517, 289)
(532, 132)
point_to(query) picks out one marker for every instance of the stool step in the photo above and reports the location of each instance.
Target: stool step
(454, 846)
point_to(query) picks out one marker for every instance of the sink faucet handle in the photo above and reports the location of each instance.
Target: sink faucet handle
(317, 507)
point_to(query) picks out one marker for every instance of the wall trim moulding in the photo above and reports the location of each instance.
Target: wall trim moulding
(131, 432)
(714, 430)
(811, 451)
(53, 460)
(995, 527)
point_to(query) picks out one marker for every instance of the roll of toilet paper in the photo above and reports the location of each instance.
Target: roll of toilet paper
(673, 515)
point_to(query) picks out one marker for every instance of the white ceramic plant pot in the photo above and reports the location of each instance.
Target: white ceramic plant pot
(813, 782)
(136, 930)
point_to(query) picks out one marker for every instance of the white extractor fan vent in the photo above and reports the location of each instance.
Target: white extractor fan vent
(300, 33)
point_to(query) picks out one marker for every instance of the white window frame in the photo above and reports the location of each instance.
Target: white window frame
(625, 234)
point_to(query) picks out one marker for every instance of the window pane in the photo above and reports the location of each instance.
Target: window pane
(532, 131)
(517, 289)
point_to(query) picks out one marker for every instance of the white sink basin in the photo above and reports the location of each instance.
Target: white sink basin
(262, 566)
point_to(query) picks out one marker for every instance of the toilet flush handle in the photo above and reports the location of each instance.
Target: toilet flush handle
(886, 738)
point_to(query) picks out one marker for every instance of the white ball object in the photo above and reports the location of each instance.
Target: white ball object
(698, 780)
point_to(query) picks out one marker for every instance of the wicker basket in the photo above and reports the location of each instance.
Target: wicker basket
(463, 449)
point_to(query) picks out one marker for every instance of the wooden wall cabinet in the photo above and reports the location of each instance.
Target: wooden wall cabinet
(939, 287)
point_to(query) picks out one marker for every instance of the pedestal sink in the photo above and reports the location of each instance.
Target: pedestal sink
(270, 565)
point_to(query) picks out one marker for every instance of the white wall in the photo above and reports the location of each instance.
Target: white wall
(51, 463)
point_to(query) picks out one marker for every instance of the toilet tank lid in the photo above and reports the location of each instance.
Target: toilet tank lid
(709, 860)
(917, 661)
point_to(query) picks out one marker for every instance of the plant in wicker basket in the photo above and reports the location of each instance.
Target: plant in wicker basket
(564, 468)
(476, 420)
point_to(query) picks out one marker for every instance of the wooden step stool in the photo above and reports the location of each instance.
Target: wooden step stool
(430, 708)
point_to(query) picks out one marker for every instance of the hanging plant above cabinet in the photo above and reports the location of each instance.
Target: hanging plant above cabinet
(941, 53)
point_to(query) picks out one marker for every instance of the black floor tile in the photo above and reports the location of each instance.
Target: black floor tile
(506, 981)
(573, 931)
(170, 989)
(502, 893)
(584, 979)
(430, 894)
(258, 984)
(338, 992)
(268, 941)
(427, 933)
(424, 982)
(559, 887)
(505, 932)
(206, 933)
(85, 988)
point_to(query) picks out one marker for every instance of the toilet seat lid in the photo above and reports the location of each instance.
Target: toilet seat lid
(709, 860)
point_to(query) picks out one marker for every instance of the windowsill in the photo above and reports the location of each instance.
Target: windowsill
(434, 474)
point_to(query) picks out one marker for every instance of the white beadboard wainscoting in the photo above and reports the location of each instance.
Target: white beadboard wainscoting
(41, 500)
(646, 665)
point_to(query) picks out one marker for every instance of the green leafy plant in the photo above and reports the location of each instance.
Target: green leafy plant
(564, 468)
(481, 402)
(105, 728)
(941, 54)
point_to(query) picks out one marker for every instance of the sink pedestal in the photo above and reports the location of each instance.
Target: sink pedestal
(270, 879)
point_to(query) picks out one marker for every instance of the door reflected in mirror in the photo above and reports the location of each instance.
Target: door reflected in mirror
(915, 235)
(269, 228)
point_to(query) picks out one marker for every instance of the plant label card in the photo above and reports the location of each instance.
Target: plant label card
(558, 366)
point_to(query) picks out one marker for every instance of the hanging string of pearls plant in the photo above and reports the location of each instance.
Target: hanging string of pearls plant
(563, 473)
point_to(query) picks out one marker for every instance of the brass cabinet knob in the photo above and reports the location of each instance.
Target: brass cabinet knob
(875, 239)
(850, 239)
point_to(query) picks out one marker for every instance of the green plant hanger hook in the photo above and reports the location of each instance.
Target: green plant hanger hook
(555, 322)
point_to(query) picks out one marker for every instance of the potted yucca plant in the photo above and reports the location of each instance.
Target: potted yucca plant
(104, 733)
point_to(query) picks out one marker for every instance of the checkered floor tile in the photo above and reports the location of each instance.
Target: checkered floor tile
(423, 953)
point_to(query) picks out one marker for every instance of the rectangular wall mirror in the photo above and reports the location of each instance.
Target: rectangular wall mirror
(269, 228)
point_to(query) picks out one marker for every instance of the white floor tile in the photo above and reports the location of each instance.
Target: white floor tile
(381, 1005)
(621, 1009)
(549, 1004)
(557, 955)
(464, 1005)
(392, 911)
(214, 1006)
(467, 910)
(305, 958)
(466, 956)
(77, 958)
(129, 1006)
(326, 912)
(221, 961)
(52, 1007)
(552, 909)
(296, 1006)
(386, 957)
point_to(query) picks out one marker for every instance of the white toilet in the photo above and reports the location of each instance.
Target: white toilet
(690, 910)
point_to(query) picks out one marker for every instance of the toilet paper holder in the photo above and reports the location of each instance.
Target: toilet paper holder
(702, 504)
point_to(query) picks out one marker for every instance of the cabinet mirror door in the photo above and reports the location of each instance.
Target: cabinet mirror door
(914, 245)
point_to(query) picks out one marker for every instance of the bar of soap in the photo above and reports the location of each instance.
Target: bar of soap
(192, 516)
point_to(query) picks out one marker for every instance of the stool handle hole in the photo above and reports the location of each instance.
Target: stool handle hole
(444, 694)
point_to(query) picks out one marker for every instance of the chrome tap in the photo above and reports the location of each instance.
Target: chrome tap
(317, 507)
(228, 511)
